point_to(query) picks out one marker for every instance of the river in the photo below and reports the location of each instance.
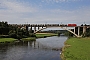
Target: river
(42, 49)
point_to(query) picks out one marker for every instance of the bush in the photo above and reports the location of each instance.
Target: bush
(32, 35)
(19, 37)
(13, 35)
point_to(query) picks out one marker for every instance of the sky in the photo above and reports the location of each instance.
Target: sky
(45, 11)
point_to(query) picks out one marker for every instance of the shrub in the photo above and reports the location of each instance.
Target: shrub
(32, 35)
(13, 35)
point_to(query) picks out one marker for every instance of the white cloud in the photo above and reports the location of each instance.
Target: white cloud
(65, 16)
(13, 11)
(16, 12)
(59, 1)
(15, 6)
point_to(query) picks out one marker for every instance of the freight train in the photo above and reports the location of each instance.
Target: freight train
(62, 25)
(69, 25)
(72, 25)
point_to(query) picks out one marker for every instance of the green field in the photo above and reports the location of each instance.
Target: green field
(43, 35)
(76, 49)
(7, 40)
(29, 39)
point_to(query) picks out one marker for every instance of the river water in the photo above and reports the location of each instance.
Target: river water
(42, 49)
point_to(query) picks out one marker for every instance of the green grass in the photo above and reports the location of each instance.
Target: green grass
(29, 39)
(43, 35)
(3, 40)
(76, 49)
(39, 35)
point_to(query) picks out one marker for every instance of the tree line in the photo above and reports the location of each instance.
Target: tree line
(16, 32)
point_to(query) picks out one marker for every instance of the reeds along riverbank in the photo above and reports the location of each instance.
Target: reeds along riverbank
(76, 49)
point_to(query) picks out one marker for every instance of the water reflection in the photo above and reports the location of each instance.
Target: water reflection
(41, 49)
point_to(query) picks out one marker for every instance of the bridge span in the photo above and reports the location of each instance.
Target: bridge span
(44, 26)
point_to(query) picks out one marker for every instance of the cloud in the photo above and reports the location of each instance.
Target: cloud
(13, 11)
(59, 1)
(15, 6)
(65, 16)
(17, 12)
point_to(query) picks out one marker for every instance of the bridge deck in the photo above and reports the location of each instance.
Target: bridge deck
(45, 25)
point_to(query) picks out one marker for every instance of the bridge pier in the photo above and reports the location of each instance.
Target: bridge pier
(78, 31)
(74, 30)
(31, 28)
(42, 26)
(38, 28)
(34, 29)
(27, 28)
(84, 29)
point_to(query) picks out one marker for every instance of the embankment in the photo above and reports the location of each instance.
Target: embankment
(76, 49)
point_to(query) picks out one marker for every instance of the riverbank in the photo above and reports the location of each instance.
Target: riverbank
(29, 39)
(43, 35)
(76, 49)
(7, 40)
(38, 35)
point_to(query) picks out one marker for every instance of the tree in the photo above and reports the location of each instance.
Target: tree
(4, 28)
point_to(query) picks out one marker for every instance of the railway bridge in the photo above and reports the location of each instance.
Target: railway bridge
(45, 26)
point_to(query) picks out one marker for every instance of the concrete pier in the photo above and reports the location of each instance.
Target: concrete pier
(78, 31)
(84, 29)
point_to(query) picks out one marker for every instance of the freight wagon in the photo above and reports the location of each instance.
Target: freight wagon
(72, 25)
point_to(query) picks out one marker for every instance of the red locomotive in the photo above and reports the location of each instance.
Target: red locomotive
(72, 25)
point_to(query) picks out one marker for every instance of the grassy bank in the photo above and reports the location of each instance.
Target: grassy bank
(29, 39)
(38, 35)
(76, 49)
(4, 40)
(43, 35)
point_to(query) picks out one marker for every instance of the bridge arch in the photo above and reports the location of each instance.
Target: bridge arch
(65, 28)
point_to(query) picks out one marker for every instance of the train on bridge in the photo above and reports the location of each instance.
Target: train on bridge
(45, 25)
(69, 25)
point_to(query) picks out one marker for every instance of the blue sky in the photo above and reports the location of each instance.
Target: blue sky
(45, 11)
